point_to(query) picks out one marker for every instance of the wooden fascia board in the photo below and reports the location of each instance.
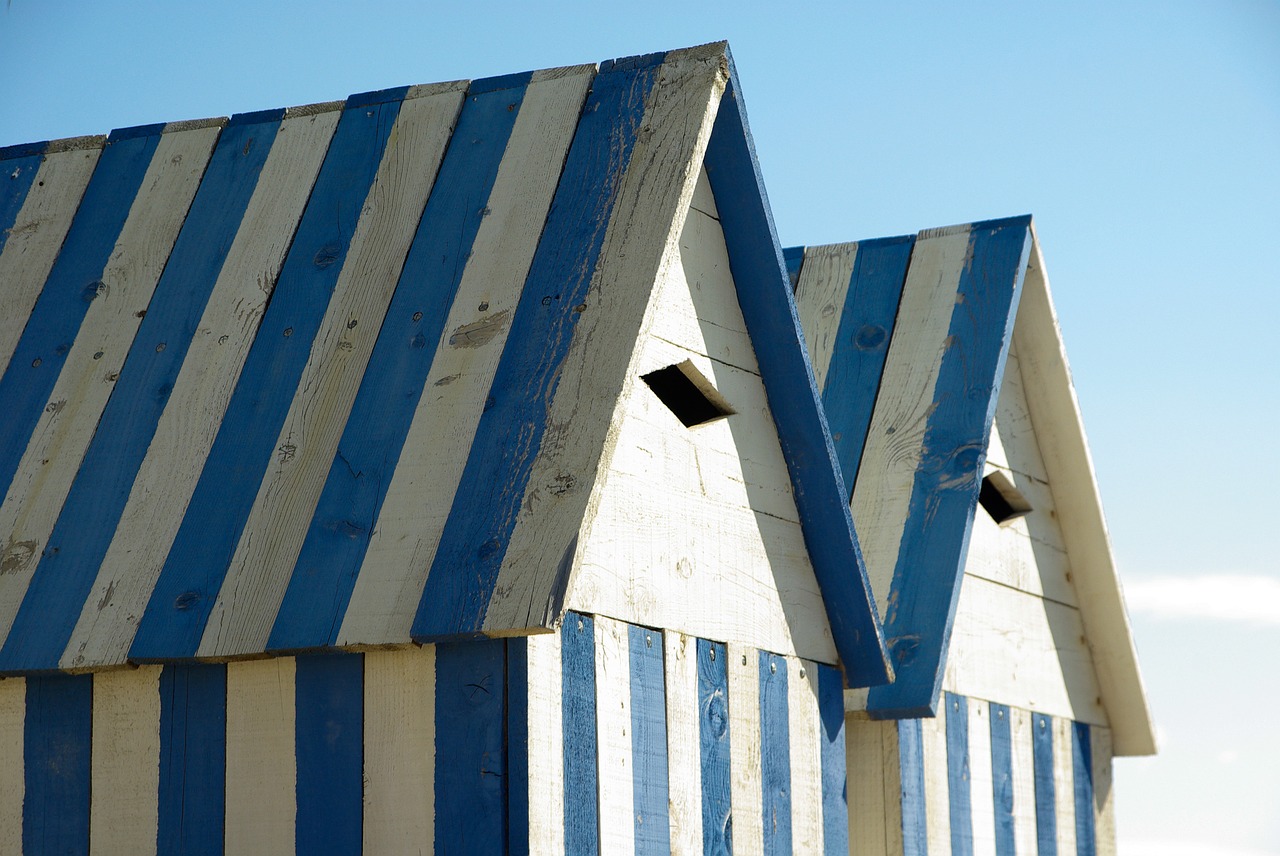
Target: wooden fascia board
(768, 308)
(1055, 414)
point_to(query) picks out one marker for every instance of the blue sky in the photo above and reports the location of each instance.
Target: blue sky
(1144, 137)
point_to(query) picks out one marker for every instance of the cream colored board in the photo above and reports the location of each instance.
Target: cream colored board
(546, 745)
(684, 747)
(1041, 523)
(874, 787)
(413, 514)
(1018, 649)
(261, 764)
(803, 731)
(1004, 554)
(187, 427)
(564, 487)
(399, 750)
(746, 783)
(13, 710)
(1104, 809)
(1064, 793)
(982, 806)
(821, 292)
(937, 799)
(1022, 761)
(36, 236)
(704, 199)
(1055, 413)
(66, 426)
(246, 606)
(613, 737)
(125, 779)
(895, 438)
(1018, 450)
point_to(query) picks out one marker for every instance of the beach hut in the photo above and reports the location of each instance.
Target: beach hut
(951, 407)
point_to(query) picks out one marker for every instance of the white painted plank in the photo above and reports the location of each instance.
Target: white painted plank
(546, 745)
(981, 794)
(13, 710)
(820, 298)
(1019, 449)
(704, 200)
(1024, 782)
(1104, 809)
(684, 748)
(746, 787)
(38, 231)
(1006, 554)
(261, 760)
(1064, 794)
(1015, 648)
(806, 763)
(882, 494)
(613, 737)
(399, 750)
(61, 437)
(642, 236)
(937, 804)
(189, 424)
(404, 541)
(874, 787)
(246, 606)
(125, 786)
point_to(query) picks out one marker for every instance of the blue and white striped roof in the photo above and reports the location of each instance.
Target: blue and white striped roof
(306, 379)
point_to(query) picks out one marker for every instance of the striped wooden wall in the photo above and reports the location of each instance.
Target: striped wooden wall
(980, 779)
(606, 737)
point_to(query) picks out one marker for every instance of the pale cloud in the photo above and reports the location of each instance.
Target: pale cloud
(1228, 597)
(1188, 848)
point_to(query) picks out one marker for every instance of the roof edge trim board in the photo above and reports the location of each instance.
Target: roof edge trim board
(921, 605)
(1055, 414)
(760, 273)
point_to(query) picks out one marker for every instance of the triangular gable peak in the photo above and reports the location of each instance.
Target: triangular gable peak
(945, 382)
(345, 375)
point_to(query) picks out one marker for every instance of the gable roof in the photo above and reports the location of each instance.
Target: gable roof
(333, 376)
(909, 338)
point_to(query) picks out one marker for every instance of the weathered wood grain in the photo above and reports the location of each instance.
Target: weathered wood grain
(547, 801)
(959, 772)
(684, 718)
(581, 747)
(649, 764)
(57, 752)
(835, 779)
(124, 810)
(775, 754)
(911, 778)
(933, 762)
(874, 789)
(746, 788)
(1064, 785)
(820, 302)
(715, 746)
(261, 768)
(806, 761)
(1003, 785)
(613, 737)
(982, 807)
(1103, 799)
(1082, 779)
(193, 759)
(1045, 784)
(13, 707)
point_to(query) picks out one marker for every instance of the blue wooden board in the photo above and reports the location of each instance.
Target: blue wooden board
(188, 587)
(1002, 779)
(329, 735)
(713, 748)
(1042, 766)
(193, 760)
(518, 745)
(926, 580)
(471, 773)
(509, 434)
(649, 743)
(57, 740)
(1082, 769)
(835, 799)
(769, 310)
(775, 755)
(72, 285)
(915, 819)
(67, 568)
(325, 573)
(960, 802)
(578, 706)
(18, 170)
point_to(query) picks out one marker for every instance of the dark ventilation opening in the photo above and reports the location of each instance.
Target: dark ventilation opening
(688, 394)
(1001, 499)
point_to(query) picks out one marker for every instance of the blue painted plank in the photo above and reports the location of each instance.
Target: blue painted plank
(793, 258)
(338, 538)
(70, 288)
(1002, 779)
(57, 741)
(17, 173)
(915, 819)
(1042, 766)
(960, 801)
(509, 434)
(329, 733)
(775, 755)
(193, 760)
(69, 564)
(188, 586)
(713, 748)
(835, 799)
(862, 343)
(649, 743)
(769, 310)
(578, 703)
(1082, 768)
(518, 745)
(471, 772)
(926, 580)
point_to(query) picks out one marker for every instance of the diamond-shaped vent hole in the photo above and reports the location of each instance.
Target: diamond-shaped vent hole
(1002, 499)
(688, 394)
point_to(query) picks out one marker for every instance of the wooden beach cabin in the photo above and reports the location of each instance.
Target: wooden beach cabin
(956, 426)
(436, 471)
